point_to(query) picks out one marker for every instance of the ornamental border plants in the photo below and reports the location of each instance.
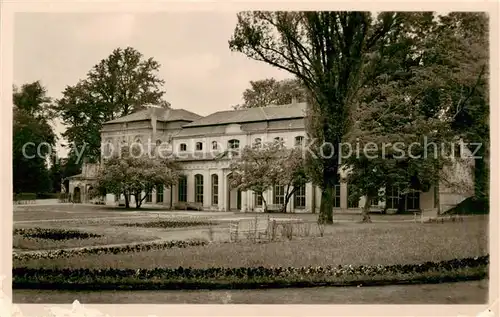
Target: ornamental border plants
(249, 277)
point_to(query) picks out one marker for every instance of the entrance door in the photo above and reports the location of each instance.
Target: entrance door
(77, 195)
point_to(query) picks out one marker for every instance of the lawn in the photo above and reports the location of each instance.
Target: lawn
(356, 244)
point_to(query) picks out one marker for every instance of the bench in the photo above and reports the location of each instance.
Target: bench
(254, 228)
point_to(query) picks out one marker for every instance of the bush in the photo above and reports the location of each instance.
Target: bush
(24, 196)
(144, 247)
(53, 234)
(250, 277)
(47, 195)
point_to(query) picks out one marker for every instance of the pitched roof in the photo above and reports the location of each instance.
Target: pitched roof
(162, 114)
(296, 110)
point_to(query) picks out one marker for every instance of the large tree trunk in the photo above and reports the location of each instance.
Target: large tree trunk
(127, 203)
(264, 203)
(288, 197)
(366, 210)
(326, 206)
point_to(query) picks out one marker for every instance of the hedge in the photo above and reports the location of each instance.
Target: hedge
(248, 277)
(140, 247)
(53, 234)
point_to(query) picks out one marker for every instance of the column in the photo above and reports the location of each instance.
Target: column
(222, 192)
(224, 197)
(244, 202)
(309, 197)
(190, 186)
(343, 195)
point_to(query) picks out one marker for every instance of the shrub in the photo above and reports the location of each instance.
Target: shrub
(24, 196)
(47, 195)
(53, 234)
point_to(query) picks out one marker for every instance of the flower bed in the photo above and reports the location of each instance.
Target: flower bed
(167, 224)
(53, 254)
(53, 234)
(250, 277)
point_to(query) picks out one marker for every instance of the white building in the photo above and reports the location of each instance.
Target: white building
(199, 143)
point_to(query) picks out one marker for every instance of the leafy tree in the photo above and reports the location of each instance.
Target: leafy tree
(459, 51)
(262, 166)
(31, 129)
(132, 174)
(122, 83)
(421, 79)
(270, 91)
(325, 51)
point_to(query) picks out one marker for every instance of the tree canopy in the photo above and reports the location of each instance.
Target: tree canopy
(122, 83)
(325, 51)
(269, 91)
(131, 175)
(33, 138)
(261, 166)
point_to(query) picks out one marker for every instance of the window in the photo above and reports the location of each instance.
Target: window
(300, 197)
(149, 197)
(336, 195)
(392, 198)
(158, 142)
(258, 199)
(159, 194)
(215, 145)
(199, 146)
(108, 148)
(215, 189)
(279, 195)
(278, 139)
(198, 188)
(183, 147)
(350, 202)
(257, 142)
(233, 144)
(413, 200)
(374, 201)
(182, 189)
(299, 140)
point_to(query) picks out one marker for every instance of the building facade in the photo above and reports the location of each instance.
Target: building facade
(203, 147)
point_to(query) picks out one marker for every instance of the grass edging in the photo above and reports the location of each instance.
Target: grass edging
(249, 278)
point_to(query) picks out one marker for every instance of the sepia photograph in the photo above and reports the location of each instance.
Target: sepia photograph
(251, 157)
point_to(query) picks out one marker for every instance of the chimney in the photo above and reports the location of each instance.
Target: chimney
(152, 115)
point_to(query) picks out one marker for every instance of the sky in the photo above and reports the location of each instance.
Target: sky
(201, 74)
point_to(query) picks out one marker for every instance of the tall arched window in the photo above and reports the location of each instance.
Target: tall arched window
(199, 146)
(182, 189)
(233, 144)
(182, 147)
(300, 197)
(215, 189)
(198, 188)
(215, 145)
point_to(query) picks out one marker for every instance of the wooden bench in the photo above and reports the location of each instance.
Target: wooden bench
(254, 228)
